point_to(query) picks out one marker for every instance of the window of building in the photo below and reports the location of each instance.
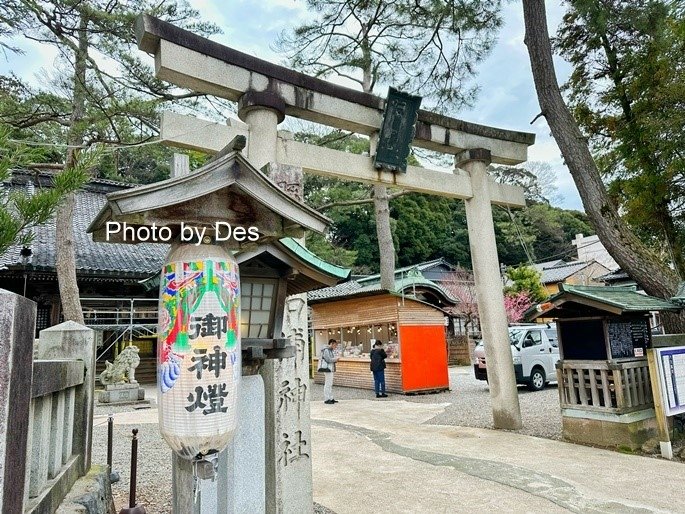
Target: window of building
(257, 303)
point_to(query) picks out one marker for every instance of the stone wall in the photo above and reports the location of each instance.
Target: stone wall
(91, 494)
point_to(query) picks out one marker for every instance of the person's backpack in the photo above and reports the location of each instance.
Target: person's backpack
(324, 367)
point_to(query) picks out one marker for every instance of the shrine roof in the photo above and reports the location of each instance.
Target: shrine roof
(92, 258)
(609, 299)
(228, 189)
(125, 261)
(315, 261)
(404, 285)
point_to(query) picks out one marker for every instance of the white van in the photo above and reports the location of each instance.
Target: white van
(534, 351)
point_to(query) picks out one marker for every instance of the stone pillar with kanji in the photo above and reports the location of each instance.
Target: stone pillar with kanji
(286, 382)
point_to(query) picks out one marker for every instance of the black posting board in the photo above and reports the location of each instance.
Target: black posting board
(582, 339)
(628, 338)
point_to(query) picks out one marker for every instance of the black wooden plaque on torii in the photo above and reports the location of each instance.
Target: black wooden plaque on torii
(397, 131)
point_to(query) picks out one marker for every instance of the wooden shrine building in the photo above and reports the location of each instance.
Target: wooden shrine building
(119, 282)
(604, 384)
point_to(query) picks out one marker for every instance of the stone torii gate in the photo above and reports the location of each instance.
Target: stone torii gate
(266, 93)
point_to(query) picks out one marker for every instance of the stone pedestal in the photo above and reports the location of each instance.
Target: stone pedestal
(239, 484)
(121, 393)
(622, 431)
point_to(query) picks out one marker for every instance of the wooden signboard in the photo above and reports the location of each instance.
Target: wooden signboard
(397, 131)
(628, 338)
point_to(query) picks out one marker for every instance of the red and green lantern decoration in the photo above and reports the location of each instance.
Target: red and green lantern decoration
(198, 349)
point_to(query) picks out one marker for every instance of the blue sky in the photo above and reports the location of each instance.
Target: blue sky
(507, 96)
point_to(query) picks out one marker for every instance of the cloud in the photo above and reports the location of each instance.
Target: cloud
(29, 65)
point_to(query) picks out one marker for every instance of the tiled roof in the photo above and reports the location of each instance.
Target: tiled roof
(624, 298)
(341, 290)
(307, 256)
(680, 295)
(614, 276)
(548, 264)
(361, 288)
(139, 260)
(421, 266)
(91, 257)
(560, 272)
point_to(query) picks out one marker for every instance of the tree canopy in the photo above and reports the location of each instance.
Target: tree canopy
(627, 92)
(99, 92)
(427, 227)
(21, 211)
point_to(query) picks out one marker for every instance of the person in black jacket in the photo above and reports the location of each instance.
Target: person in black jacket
(378, 357)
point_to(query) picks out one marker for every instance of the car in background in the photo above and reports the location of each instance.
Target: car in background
(534, 353)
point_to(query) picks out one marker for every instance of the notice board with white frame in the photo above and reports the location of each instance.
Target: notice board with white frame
(671, 362)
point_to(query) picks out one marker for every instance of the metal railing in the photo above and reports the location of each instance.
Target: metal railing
(123, 317)
(98, 312)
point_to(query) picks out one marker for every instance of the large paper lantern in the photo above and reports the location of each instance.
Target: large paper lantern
(198, 349)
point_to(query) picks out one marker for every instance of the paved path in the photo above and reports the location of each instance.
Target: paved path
(374, 456)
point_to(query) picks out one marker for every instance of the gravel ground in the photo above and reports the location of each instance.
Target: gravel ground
(469, 401)
(469, 405)
(154, 465)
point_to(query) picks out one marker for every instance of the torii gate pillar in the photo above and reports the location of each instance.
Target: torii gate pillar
(266, 91)
(262, 111)
(506, 412)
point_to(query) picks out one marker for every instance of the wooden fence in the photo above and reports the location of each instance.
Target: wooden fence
(46, 439)
(617, 387)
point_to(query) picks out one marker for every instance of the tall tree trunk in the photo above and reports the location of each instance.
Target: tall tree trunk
(655, 277)
(649, 162)
(64, 245)
(386, 246)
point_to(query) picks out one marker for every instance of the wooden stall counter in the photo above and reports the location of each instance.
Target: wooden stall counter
(355, 372)
(411, 331)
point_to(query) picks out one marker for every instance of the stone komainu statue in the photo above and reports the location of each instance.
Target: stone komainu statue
(123, 369)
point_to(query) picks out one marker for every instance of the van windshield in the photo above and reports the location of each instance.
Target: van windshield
(515, 335)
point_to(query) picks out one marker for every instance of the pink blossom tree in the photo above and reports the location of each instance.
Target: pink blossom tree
(461, 286)
(515, 304)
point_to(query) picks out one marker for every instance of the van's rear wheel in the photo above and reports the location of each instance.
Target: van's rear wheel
(537, 379)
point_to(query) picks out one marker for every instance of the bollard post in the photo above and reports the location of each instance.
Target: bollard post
(110, 437)
(132, 507)
(113, 475)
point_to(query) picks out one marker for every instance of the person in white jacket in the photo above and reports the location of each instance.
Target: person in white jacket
(329, 358)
